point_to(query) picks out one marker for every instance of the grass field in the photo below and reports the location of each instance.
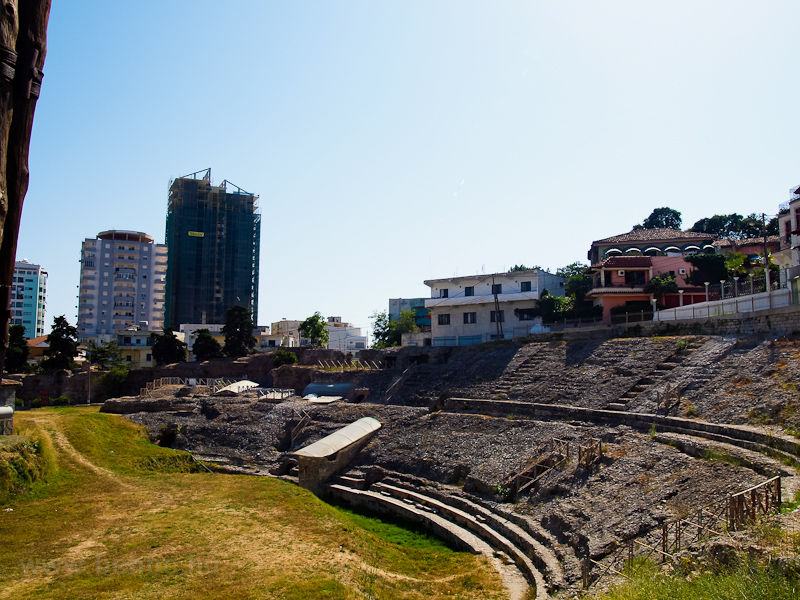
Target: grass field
(115, 516)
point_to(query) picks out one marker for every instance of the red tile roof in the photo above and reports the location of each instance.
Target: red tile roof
(656, 235)
(37, 340)
(771, 239)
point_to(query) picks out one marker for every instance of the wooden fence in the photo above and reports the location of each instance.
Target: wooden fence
(548, 456)
(729, 513)
(590, 452)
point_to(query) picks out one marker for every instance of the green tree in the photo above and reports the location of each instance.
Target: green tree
(576, 268)
(63, 346)
(18, 350)
(662, 218)
(524, 268)
(104, 354)
(578, 286)
(736, 263)
(167, 348)
(381, 330)
(113, 383)
(388, 332)
(238, 332)
(552, 308)
(707, 267)
(660, 285)
(773, 226)
(284, 357)
(314, 329)
(205, 347)
(735, 226)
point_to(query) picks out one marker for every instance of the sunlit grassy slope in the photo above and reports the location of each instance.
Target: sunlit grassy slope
(118, 517)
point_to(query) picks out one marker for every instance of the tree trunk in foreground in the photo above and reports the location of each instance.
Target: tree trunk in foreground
(23, 45)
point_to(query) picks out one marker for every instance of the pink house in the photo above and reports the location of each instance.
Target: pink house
(621, 281)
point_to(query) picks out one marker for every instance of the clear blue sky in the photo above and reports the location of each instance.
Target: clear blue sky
(393, 142)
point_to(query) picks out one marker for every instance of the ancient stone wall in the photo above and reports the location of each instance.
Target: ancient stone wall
(256, 367)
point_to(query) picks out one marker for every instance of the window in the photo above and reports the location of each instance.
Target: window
(494, 316)
(149, 357)
(525, 286)
(526, 314)
(444, 293)
(469, 317)
(469, 290)
(444, 319)
(497, 288)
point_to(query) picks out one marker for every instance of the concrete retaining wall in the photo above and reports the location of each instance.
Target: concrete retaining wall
(779, 321)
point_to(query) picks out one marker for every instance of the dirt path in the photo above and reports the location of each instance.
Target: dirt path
(60, 441)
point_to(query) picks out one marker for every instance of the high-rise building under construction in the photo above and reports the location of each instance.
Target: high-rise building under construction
(213, 236)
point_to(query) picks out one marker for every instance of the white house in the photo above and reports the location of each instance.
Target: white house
(480, 308)
(344, 336)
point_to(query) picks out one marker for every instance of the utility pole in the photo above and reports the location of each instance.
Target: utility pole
(23, 45)
(498, 320)
(766, 260)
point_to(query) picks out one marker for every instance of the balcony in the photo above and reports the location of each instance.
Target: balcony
(503, 298)
(625, 288)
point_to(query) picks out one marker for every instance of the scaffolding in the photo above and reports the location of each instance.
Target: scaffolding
(213, 236)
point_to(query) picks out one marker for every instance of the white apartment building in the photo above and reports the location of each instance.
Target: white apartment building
(344, 336)
(29, 298)
(480, 308)
(121, 286)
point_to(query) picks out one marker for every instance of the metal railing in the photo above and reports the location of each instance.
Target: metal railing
(348, 365)
(275, 393)
(740, 304)
(210, 382)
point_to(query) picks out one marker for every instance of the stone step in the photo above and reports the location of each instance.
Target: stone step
(358, 483)
(482, 529)
(452, 532)
(616, 406)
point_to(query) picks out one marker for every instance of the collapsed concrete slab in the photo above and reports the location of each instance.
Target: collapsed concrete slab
(320, 461)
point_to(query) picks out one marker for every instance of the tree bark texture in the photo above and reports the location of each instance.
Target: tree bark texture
(23, 32)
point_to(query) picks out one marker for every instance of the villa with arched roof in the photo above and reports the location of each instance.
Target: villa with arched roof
(652, 242)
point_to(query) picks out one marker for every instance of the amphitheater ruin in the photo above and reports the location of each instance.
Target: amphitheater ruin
(561, 461)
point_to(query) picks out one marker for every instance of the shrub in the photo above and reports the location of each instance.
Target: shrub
(112, 384)
(681, 345)
(60, 401)
(284, 357)
(18, 402)
(37, 403)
